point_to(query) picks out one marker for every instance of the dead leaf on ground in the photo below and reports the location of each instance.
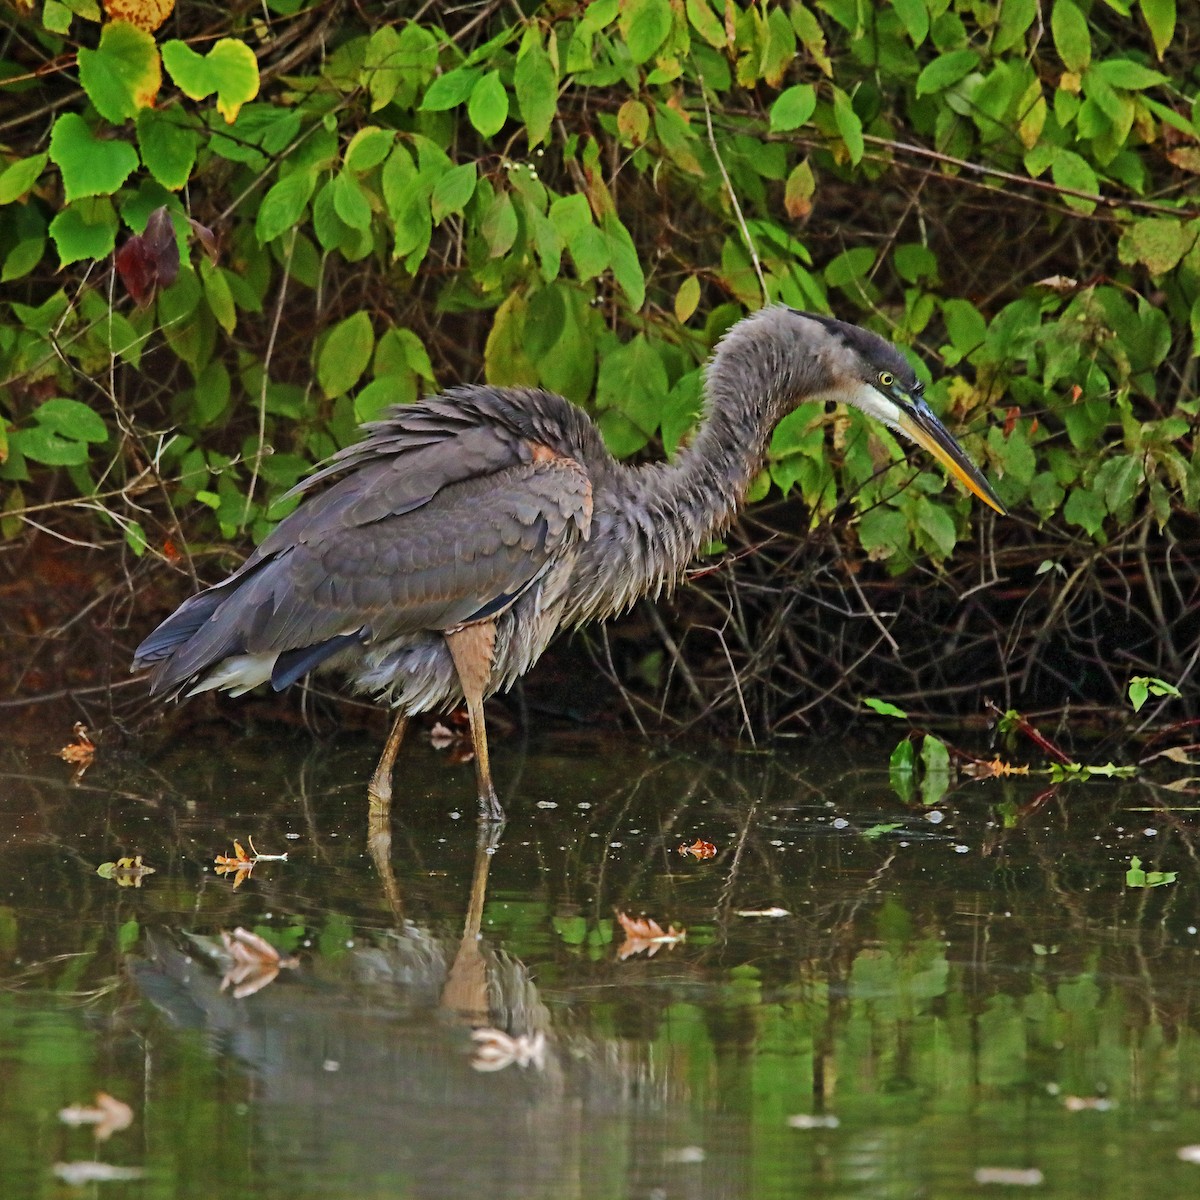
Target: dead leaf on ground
(495, 1050)
(108, 1115)
(255, 962)
(644, 935)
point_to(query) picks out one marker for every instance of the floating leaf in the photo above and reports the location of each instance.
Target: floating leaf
(644, 935)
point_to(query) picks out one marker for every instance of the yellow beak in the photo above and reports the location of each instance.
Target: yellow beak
(917, 421)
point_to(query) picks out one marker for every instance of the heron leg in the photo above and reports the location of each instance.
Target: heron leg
(471, 647)
(379, 790)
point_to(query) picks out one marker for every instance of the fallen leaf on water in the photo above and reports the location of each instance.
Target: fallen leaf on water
(995, 768)
(79, 1173)
(698, 849)
(80, 752)
(762, 912)
(128, 872)
(495, 1050)
(255, 962)
(242, 863)
(109, 1115)
(1188, 1154)
(645, 935)
(1086, 1103)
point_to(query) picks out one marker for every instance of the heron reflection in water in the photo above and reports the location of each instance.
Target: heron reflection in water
(464, 531)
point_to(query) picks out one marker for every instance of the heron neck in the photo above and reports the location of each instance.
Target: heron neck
(649, 521)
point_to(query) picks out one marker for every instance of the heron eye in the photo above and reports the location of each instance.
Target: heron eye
(886, 379)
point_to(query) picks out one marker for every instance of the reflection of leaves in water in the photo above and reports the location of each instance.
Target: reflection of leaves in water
(495, 1050)
(107, 1116)
(644, 935)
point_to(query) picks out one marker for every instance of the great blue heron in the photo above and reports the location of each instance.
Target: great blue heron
(465, 530)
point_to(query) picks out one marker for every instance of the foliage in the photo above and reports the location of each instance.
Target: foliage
(584, 197)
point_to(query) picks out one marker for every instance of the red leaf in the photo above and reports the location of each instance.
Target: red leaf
(149, 261)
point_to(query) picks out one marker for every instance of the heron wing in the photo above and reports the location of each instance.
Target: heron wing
(433, 537)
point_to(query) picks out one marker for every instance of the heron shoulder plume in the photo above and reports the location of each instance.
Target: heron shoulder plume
(433, 561)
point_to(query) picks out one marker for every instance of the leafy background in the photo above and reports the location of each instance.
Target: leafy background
(370, 202)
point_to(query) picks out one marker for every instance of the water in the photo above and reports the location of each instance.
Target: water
(955, 996)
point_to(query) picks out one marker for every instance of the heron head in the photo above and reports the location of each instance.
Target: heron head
(869, 372)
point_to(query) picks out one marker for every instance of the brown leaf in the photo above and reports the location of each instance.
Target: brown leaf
(699, 849)
(145, 14)
(255, 962)
(644, 935)
(149, 261)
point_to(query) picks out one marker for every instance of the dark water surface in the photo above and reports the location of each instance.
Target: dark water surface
(961, 1000)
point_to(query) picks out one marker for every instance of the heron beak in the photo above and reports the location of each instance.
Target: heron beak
(916, 420)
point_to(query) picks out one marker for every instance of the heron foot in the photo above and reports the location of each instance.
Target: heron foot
(490, 812)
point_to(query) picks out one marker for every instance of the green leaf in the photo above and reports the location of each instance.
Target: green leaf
(645, 25)
(229, 69)
(71, 419)
(623, 258)
(1086, 509)
(398, 65)
(344, 354)
(85, 229)
(706, 23)
(884, 709)
(219, 295)
(122, 75)
(1158, 242)
(19, 176)
(848, 125)
(536, 86)
(56, 17)
(1071, 170)
(487, 109)
(1072, 40)
(48, 447)
(168, 145)
(687, 299)
(19, 261)
(350, 201)
(848, 266)
(1125, 73)
(452, 191)
(938, 526)
(793, 107)
(1159, 16)
(450, 90)
(368, 148)
(946, 70)
(915, 17)
(1141, 687)
(90, 165)
(633, 381)
(283, 205)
